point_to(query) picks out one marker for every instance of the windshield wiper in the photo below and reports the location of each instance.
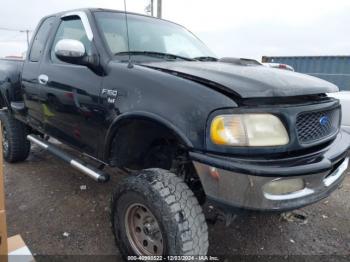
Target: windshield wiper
(157, 54)
(205, 58)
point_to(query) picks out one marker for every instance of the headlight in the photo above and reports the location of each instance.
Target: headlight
(248, 130)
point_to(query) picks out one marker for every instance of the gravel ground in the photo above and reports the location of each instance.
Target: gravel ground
(47, 204)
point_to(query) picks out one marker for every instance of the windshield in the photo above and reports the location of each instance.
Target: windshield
(147, 34)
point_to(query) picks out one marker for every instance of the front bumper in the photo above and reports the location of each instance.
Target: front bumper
(242, 183)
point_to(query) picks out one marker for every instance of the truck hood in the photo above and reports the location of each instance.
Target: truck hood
(248, 81)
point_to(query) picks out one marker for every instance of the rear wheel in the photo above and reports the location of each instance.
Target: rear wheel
(155, 213)
(15, 145)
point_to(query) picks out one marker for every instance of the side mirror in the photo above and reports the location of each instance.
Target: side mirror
(71, 51)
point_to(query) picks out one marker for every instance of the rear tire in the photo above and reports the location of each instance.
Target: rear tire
(16, 146)
(174, 216)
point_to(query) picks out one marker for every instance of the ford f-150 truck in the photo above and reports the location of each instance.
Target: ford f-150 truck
(147, 96)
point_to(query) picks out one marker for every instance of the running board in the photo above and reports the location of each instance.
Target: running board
(92, 172)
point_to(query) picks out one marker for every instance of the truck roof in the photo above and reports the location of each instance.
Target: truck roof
(101, 9)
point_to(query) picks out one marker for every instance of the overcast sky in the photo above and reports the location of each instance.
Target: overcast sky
(243, 28)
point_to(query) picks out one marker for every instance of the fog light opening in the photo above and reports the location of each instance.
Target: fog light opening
(284, 186)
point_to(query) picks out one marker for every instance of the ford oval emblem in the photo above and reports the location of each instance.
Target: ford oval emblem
(324, 120)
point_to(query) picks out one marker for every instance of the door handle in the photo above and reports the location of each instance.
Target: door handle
(43, 79)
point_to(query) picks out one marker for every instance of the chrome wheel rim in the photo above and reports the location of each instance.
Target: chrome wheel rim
(143, 231)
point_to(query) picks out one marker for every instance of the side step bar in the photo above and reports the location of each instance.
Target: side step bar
(92, 172)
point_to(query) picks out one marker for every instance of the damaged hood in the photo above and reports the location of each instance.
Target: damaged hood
(249, 81)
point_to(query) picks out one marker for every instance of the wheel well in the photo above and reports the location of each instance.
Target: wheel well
(136, 138)
(140, 144)
(2, 102)
(4, 98)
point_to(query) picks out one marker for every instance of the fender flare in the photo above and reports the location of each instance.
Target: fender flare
(140, 115)
(4, 95)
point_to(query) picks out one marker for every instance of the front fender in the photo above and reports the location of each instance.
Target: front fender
(181, 105)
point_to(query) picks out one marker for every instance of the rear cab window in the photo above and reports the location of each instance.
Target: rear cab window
(40, 40)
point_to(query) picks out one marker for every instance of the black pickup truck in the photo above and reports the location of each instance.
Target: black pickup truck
(146, 96)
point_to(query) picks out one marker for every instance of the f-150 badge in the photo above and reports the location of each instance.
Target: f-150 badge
(111, 95)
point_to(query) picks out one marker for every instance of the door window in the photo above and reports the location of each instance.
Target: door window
(70, 29)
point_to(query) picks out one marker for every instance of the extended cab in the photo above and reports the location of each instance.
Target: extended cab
(147, 96)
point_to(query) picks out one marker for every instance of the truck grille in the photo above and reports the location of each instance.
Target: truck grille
(317, 125)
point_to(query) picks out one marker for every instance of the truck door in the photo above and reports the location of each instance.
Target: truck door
(71, 109)
(30, 73)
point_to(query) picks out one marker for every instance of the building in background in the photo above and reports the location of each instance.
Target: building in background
(335, 69)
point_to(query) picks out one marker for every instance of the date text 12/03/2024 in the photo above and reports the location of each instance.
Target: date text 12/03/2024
(173, 258)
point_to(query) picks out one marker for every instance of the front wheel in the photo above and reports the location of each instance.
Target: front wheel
(155, 213)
